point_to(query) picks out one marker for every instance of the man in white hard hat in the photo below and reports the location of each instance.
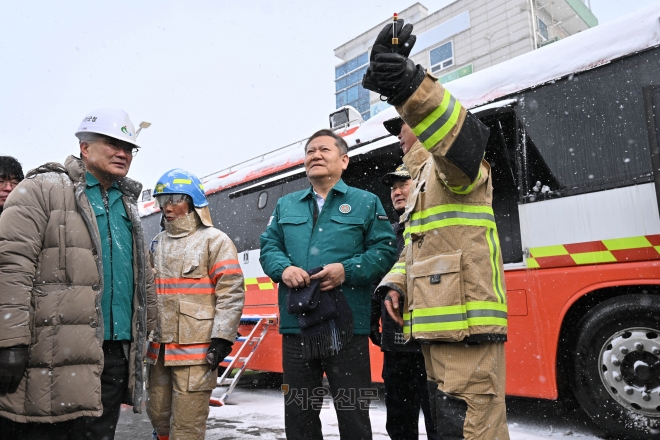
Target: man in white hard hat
(75, 289)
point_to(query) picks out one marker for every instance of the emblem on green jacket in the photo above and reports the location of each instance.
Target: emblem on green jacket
(345, 208)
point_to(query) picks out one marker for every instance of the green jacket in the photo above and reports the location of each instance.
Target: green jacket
(116, 233)
(352, 229)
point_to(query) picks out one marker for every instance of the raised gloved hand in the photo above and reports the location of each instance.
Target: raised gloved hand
(217, 352)
(393, 75)
(13, 361)
(383, 43)
(375, 336)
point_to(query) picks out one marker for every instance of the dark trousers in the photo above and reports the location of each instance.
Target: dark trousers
(114, 380)
(406, 391)
(349, 376)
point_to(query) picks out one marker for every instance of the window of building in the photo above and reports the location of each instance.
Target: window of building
(348, 84)
(543, 30)
(442, 57)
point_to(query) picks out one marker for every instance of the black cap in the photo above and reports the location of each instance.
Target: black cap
(394, 125)
(401, 174)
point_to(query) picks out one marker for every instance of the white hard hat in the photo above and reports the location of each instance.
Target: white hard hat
(110, 122)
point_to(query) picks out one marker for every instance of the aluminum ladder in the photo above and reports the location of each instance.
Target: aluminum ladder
(245, 352)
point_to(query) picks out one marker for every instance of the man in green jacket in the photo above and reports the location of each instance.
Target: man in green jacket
(344, 230)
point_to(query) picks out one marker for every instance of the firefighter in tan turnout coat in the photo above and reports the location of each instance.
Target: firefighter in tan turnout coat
(450, 272)
(200, 301)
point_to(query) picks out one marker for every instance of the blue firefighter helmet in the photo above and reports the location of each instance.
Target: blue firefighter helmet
(178, 181)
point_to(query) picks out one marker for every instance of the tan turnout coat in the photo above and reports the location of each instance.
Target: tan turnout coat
(200, 290)
(450, 270)
(51, 283)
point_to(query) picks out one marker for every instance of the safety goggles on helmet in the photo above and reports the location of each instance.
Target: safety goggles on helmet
(163, 200)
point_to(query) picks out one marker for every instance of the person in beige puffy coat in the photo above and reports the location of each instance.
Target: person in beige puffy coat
(52, 283)
(200, 301)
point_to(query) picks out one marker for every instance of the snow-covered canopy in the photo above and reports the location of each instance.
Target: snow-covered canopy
(589, 49)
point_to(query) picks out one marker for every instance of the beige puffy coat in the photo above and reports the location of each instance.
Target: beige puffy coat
(51, 283)
(200, 290)
(450, 270)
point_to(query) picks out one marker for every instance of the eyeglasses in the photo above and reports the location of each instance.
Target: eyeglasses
(13, 183)
(163, 200)
(118, 145)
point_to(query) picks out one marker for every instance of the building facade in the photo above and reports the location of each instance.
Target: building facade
(461, 38)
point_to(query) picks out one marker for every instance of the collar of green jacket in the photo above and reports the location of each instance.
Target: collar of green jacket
(93, 181)
(340, 187)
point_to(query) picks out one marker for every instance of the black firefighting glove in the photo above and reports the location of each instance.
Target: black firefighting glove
(218, 351)
(394, 76)
(13, 361)
(375, 336)
(383, 43)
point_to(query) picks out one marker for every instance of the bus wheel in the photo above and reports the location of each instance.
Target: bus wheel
(617, 366)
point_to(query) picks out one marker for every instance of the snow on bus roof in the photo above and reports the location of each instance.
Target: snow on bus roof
(589, 49)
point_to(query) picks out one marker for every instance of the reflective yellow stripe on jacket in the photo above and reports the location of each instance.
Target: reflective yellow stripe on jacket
(398, 268)
(460, 317)
(465, 189)
(435, 126)
(463, 215)
(449, 215)
(494, 247)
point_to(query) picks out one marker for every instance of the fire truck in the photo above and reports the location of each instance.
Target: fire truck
(574, 151)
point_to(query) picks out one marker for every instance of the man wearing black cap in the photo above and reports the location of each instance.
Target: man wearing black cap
(404, 372)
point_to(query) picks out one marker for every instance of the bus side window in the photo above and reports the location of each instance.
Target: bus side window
(540, 183)
(501, 155)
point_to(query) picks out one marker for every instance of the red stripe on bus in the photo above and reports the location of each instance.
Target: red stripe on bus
(590, 246)
(637, 254)
(558, 261)
(654, 239)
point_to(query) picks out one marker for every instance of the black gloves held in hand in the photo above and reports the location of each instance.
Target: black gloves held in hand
(217, 352)
(394, 76)
(13, 362)
(375, 336)
(383, 43)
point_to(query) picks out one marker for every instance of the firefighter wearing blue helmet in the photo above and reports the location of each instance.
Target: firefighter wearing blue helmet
(200, 300)
(180, 183)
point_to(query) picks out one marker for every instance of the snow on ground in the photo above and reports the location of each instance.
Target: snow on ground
(259, 412)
